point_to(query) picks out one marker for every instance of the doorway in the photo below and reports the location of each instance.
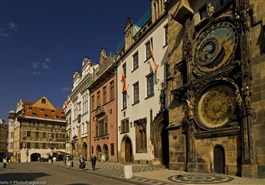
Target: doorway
(219, 159)
(126, 150)
(105, 153)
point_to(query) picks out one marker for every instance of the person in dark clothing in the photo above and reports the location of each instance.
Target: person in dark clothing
(93, 161)
(4, 162)
(82, 162)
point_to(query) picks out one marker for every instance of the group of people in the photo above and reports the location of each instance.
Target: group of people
(82, 162)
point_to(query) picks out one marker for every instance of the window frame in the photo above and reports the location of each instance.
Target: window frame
(150, 88)
(135, 61)
(147, 50)
(136, 93)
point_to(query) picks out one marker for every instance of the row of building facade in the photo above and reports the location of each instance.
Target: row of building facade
(184, 90)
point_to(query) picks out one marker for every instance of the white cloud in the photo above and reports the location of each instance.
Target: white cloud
(12, 26)
(40, 65)
(35, 65)
(3, 34)
(7, 30)
(45, 63)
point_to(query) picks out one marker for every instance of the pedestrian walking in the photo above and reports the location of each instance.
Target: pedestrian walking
(93, 161)
(82, 162)
(4, 162)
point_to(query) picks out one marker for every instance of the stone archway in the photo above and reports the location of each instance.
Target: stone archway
(35, 157)
(126, 150)
(159, 138)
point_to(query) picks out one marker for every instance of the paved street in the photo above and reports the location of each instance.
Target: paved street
(108, 173)
(49, 174)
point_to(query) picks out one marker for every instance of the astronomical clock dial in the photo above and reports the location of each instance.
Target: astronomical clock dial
(214, 47)
(216, 105)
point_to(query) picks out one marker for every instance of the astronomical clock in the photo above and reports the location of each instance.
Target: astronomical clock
(213, 51)
(214, 47)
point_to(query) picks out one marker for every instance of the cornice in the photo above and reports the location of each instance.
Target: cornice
(38, 118)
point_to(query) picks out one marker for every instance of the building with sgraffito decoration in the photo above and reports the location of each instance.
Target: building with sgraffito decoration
(39, 131)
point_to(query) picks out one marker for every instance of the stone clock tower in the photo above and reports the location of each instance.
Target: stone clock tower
(214, 106)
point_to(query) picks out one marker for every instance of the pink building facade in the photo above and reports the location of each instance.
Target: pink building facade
(103, 106)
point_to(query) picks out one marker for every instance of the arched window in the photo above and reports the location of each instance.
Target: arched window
(43, 101)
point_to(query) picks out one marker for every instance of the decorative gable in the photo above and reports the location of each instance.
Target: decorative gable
(44, 103)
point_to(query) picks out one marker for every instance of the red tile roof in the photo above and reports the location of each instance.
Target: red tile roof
(31, 110)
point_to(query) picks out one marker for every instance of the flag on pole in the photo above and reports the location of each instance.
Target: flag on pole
(152, 55)
(123, 80)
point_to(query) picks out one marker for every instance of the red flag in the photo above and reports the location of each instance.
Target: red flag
(123, 80)
(153, 58)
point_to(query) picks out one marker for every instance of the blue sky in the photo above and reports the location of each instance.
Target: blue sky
(43, 42)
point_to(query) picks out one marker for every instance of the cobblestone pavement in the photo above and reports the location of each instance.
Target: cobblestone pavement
(147, 174)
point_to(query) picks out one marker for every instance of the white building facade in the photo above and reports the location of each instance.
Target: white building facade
(141, 74)
(79, 111)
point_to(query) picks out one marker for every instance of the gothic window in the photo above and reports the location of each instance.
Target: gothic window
(140, 130)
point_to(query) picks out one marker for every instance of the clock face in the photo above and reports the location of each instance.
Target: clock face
(214, 47)
(216, 105)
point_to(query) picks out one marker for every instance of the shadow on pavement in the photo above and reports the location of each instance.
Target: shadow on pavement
(21, 176)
